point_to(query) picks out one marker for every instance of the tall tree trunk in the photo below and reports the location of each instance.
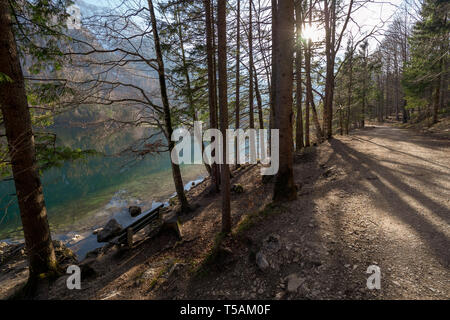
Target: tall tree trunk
(298, 70)
(262, 49)
(176, 173)
(444, 75)
(310, 99)
(211, 85)
(404, 45)
(319, 132)
(397, 95)
(330, 57)
(250, 57)
(214, 57)
(308, 81)
(380, 98)
(387, 105)
(436, 96)
(273, 88)
(19, 134)
(223, 106)
(307, 118)
(238, 77)
(347, 122)
(439, 95)
(258, 100)
(364, 91)
(307, 103)
(349, 92)
(285, 188)
(188, 86)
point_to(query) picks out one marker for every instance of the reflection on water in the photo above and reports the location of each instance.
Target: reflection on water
(84, 195)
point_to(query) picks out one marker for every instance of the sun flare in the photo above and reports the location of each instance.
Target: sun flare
(312, 33)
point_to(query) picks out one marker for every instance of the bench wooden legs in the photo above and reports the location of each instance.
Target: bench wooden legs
(171, 223)
(130, 237)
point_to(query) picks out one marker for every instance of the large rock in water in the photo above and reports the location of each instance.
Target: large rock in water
(109, 231)
(134, 211)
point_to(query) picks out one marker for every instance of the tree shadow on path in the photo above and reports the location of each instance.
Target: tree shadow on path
(364, 165)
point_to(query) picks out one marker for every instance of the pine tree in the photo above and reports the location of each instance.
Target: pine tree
(46, 18)
(426, 73)
(285, 188)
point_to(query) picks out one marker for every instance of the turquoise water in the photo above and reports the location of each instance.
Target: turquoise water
(82, 195)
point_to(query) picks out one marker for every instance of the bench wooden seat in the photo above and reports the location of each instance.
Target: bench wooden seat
(126, 235)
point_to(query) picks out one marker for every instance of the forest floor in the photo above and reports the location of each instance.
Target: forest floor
(380, 196)
(442, 128)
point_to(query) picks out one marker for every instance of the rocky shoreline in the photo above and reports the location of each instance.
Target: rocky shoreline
(84, 239)
(70, 248)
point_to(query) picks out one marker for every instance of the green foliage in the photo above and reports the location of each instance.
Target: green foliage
(4, 164)
(415, 102)
(41, 119)
(4, 78)
(39, 26)
(56, 156)
(396, 72)
(429, 51)
(47, 153)
(39, 30)
(47, 93)
(185, 32)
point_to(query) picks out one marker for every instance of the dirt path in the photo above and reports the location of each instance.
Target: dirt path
(396, 212)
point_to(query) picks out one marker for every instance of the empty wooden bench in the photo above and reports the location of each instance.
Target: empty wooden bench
(126, 235)
(152, 216)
